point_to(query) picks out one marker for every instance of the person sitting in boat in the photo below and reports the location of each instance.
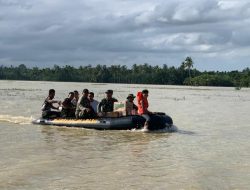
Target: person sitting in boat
(83, 108)
(94, 103)
(68, 108)
(131, 108)
(142, 98)
(49, 111)
(76, 98)
(107, 104)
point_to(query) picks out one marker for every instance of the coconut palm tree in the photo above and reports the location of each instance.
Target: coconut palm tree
(188, 64)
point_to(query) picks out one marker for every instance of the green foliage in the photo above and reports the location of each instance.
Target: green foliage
(137, 74)
(210, 80)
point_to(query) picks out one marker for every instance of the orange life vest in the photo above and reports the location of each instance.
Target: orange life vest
(144, 101)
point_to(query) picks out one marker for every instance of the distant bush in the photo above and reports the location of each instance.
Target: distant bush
(210, 80)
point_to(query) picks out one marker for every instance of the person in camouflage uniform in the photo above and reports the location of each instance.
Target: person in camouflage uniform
(83, 108)
(107, 104)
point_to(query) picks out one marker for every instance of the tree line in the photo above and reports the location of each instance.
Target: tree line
(137, 74)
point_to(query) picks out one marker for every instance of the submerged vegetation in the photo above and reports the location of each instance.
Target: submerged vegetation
(137, 74)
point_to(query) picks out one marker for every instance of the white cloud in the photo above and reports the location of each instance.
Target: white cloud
(124, 31)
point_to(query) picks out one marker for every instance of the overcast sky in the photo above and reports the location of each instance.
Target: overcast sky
(215, 33)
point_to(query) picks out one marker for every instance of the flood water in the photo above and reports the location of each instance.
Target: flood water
(211, 149)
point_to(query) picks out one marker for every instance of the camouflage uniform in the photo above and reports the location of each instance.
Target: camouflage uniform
(81, 109)
(107, 105)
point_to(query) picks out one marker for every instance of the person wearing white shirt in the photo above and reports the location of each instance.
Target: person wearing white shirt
(94, 103)
(76, 98)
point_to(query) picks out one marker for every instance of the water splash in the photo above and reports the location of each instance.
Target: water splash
(171, 129)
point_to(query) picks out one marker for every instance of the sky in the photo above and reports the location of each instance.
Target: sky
(215, 33)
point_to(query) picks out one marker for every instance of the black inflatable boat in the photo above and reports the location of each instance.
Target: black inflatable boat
(158, 121)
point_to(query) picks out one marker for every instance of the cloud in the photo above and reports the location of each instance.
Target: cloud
(43, 32)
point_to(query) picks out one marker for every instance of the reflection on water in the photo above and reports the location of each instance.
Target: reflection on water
(209, 151)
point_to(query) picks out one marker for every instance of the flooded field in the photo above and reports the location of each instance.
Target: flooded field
(209, 151)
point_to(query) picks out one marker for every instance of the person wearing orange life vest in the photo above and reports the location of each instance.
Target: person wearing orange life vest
(142, 98)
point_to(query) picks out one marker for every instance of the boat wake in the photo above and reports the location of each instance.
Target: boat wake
(16, 119)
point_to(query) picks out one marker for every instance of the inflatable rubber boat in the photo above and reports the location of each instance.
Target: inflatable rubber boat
(158, 121)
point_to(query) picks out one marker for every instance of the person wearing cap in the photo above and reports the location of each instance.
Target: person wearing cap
(83, 108)
(107, 104)
(94, 103)
(131, 108)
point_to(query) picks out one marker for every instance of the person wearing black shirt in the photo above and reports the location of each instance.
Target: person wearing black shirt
(68, 108)
(49, 111)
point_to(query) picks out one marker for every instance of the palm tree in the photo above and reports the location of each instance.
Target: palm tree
(188, 64)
